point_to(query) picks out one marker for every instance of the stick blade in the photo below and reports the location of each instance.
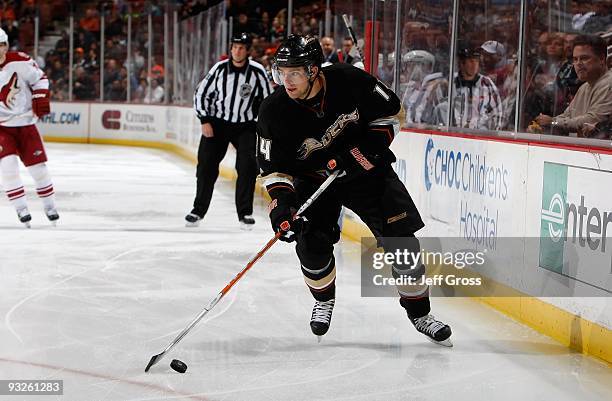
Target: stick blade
(153, 361)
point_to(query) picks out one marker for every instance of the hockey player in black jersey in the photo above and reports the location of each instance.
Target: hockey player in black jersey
(321, 120)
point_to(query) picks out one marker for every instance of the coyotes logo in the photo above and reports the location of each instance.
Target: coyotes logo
(310, 144)
(9, 92)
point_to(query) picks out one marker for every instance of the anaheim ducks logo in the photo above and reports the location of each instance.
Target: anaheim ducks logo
(9, 92)
(310, 144)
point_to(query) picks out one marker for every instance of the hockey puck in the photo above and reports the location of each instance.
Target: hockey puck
(179, 366)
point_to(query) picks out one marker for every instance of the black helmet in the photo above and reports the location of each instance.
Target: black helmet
(242, 38)
(299, 51)
(467, 50)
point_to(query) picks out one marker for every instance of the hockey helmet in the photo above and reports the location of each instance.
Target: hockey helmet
(297, 51)
(243, 38)
(417, 64)
(467, 50)
(3, 36)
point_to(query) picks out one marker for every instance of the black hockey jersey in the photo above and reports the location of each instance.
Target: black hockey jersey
(296, 141)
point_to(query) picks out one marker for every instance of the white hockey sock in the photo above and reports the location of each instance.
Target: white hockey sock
(44, 186)
(11, 181)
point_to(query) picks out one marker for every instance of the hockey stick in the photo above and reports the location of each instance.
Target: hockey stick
(352, 35)
(156, 358)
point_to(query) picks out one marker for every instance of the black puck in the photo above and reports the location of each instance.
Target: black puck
(179, 366)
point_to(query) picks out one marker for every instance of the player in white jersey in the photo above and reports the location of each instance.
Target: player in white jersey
(24, 97)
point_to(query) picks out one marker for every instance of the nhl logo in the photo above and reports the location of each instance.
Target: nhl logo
(245, 90)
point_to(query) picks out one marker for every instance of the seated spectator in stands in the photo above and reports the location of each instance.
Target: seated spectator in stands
(348, 54)
(592, 104)
(155, 94)
(600, 19)
(157, 70)
(91, 62)
(7, 12)
(115, 91)
(330, 55)
(424, 89)
(79, 57)
(495, 64)
(84, 87)
(113, 50)
(111, 72)
(58, 72)
(140, 91)
(84, 39)
(567, 82)
(62, 46)
(242, 24)
(91, 21)
(13, 34)
(477, 103)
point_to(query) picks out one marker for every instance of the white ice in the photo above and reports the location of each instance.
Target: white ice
(91, 300)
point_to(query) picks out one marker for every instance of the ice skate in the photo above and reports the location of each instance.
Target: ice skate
(436, 331)
(24, 216)
(193, 219)
(52, 215)
(321, 317)
(247, 222)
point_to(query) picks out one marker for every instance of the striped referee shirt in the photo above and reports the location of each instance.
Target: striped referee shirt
(230, 93)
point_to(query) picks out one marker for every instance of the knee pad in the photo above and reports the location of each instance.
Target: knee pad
(9, 167)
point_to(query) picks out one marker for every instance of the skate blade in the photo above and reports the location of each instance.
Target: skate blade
(445, 343)
(54, 223)
(246, 227)
(196, 224)
(27, 225)
(319, 338)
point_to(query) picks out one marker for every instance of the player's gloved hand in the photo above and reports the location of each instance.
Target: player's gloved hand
(40, 102)
(283, 220)
(351, 163)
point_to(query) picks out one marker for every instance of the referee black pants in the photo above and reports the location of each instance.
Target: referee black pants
(211, 152)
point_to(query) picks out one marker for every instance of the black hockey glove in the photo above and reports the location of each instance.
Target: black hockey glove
(283, 219)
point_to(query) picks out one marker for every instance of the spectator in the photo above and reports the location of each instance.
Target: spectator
(242, 25)
(140, 90)
(111, 72)
(157, 70)
(349, 53)
(476, 102)
(495, 64)
(155, 94)
(115, 91)
(79, 57)
(91, 62)
(62, 46)
(90, 22)
(58, 72)
(592, 105)
(330, 55)
(13, 34)
(84, 87)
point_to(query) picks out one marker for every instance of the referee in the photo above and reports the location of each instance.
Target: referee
(226, 102)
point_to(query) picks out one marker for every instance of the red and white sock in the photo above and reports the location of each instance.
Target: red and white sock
(44, 186)
(11, 181)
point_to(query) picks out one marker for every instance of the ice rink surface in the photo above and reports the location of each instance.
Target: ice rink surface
(91, 300)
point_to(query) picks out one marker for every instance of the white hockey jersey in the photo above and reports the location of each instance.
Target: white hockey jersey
(19, 77)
